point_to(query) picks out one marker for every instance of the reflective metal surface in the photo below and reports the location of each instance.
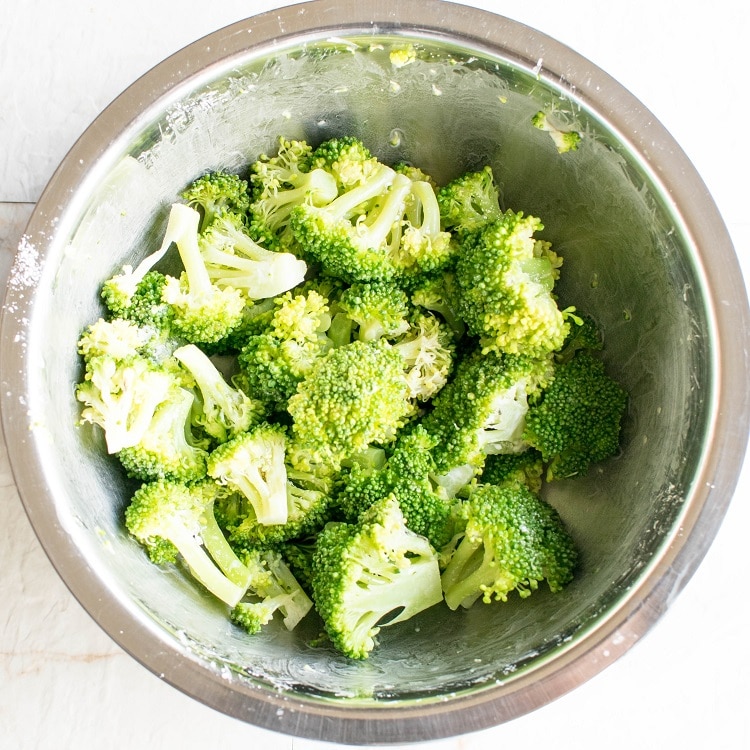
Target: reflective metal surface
(645, 252)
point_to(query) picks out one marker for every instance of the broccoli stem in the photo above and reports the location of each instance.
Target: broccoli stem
(390, 212)
(347, 202)
(218, 547)
(186, 238)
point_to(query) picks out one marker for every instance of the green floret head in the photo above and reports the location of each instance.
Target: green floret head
(275, 361)
(584, 334)
(354, 397)
(144, 306)
(511, 540)
(169, 517)
(378, 308)
(437, 293)
(526, 467)
(168, 449)
(504, 279)
(577, 420)
(117, 338)
(347, 159)
(253, 464)
(366, 572)
(482, 410)
(215, 193)
(470, 201)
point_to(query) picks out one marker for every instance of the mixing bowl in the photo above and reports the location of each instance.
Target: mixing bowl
(449, 88)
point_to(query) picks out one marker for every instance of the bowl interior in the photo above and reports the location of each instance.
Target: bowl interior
(628, 261)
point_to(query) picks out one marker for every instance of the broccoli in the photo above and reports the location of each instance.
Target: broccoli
(437, 294)
(216, 193)
(577, 419)
(170, 517)
(252, 463)
(509, 540)
(526, 467)
(584, 333)
(224, 411)
(168, 449)
(347, 159)
(273, 588)
(482, 410)
(470, 201)
(274, 361)
(122, 388)
(504, 280)
(428, 351)
(407, 475)
(564, 140)
(234, 259)
(354, 397)
(377, 309)
(370, 570)
(203, 313)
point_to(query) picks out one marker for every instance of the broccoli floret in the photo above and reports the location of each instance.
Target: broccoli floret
(564, 140)
(510, 540)
(377, 308)
(428, 351)
(366, 571)
(577, 419)
(470, 201)
(407, 475)
(482, 410)
(203, 313)
(353, 236)
(275, 361)
(504, 279)
(437, 293)
(233, 259)
(217, 193)
(354, 397)
(526, 467)
(308, 509)
(252, 463)
(168, 449)
(273, 588)
(117, 338)
(224, 411)
(347, 159)
(170, 517)
(584, 333)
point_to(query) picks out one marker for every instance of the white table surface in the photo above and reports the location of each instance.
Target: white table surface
(65, 684)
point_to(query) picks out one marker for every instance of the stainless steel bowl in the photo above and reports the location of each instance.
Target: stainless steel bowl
(646, 252)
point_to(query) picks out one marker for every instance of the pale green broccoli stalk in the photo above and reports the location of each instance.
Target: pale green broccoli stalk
(275, 361)
(482, 410)
(308, 510)
(379, 309)
(428, 350)
(347, 159)
(564, 140)
(217, 193)
(504, 279)
(273, 588)
(172, 517)
(354, 397)
(353, 237)
(365, 572)
(168, 449)
(526, 467)
(509, 540)
(233, 259)
(224, 411)
(577, 419)
(470, 201)
(203, 313)
(252, 464)
(406, 474)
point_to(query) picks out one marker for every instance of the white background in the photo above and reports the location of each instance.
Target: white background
(64, 684)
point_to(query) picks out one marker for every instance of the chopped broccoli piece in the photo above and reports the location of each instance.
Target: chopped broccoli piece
(347, 159)
(234, 259)
(379, 309)
(252, 463)
(577, 419)
(504, 279)
(564, 140)
(217, 193)
(470, 202)
(354, 397)
(509, 540)
(526, 467)
(170, 517)
(203, 313)
(437, 293)
(584, 333)
(368, 571)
